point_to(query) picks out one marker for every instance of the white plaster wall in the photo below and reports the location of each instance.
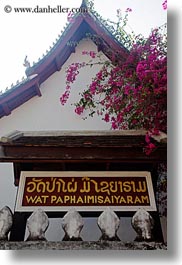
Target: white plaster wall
(46, 113)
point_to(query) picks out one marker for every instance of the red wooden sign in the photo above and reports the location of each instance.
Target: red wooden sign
(85, 191)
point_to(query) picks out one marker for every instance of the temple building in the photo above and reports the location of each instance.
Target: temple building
(38, 134)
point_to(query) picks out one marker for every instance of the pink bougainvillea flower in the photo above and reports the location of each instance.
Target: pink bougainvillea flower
(90, 53)
(93, 54)
(70, 17)
(79, 110)
(147, 138)
(164, 5)
(127, 90)
(106, 118)
(93, 87)
(64, 97)
(150, 148)
(155, 131)
(84, 52)
(128, 10)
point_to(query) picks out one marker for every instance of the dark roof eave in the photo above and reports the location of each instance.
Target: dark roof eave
(88, 146)
(19, 95)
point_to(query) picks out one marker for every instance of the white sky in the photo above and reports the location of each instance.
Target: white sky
(32, 34)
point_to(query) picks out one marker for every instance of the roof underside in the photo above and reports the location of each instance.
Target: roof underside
(54, 150)
(83, 25)
(84, 145)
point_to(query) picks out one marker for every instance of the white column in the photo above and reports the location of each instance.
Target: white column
(37, 225)
(143, 224)
(108, 223)
(72, 224)
(6, 221)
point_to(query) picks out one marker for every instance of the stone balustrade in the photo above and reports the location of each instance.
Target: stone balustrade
(72, 224)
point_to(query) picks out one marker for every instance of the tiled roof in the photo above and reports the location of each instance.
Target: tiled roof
(85, 25)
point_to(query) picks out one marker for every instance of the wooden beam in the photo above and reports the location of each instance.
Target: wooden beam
(8, 138)
(58, 63)
(82, 153)
(6, 108)
(26, 85)
(81, 146)
(37, 89)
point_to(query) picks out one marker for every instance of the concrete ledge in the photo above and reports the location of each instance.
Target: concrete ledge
(72, 245)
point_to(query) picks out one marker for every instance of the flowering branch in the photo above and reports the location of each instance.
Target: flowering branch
(130, 94)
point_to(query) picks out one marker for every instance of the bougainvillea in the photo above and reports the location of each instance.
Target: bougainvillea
(130, 94)
(164, 5)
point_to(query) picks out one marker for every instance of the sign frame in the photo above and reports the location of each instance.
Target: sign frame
(24, 174)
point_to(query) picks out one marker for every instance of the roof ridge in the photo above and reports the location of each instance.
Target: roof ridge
(84, 4)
